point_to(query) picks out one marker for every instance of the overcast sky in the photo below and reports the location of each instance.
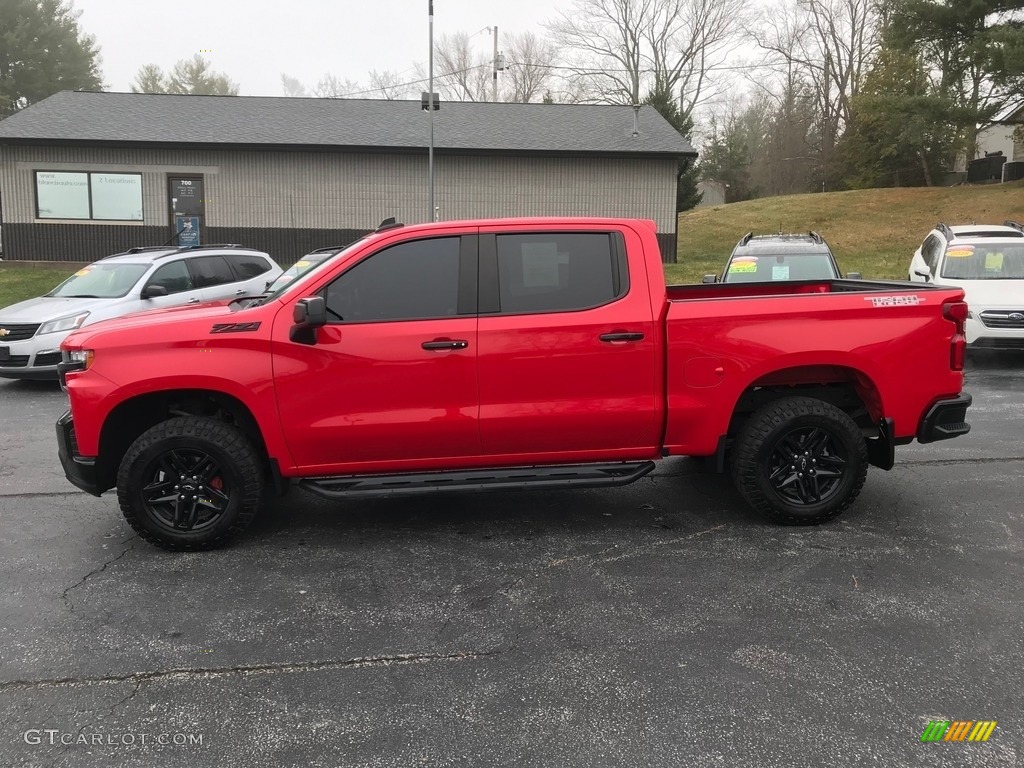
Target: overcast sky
(254, 41)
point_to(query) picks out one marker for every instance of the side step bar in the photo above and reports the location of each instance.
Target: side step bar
(510, 478)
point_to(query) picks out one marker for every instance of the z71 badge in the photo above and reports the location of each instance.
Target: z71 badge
(234, 327)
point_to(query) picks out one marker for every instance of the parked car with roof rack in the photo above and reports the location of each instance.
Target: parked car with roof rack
(987, 262)
(770, 258)
(302, 266)
(137, 280)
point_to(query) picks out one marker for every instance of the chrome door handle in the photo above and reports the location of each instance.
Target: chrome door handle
(193, 301)
(240, 292)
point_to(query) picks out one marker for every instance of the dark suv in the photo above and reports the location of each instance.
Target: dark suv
(768, 258)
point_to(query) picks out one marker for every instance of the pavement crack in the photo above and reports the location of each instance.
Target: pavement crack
(190, 673)
(598, 557)
(945, 462)
(65, 594)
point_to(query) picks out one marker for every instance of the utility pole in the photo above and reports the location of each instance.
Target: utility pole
(494, 63)
(430, 109)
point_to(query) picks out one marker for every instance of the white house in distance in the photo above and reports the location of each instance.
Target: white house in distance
(998, 137)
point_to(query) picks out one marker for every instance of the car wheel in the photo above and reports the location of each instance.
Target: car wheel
(189, 483)
(800, 461)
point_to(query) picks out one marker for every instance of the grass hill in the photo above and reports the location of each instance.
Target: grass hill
(871, 231)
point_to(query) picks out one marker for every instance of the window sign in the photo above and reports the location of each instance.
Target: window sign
(62, 195)
(83, 195)
(117, 196)
(187, 228)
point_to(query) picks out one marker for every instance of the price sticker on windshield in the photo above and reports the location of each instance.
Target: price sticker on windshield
(960, 252)
(747, 265)
(82, 271)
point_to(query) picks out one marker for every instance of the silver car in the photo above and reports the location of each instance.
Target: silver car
(137, 280)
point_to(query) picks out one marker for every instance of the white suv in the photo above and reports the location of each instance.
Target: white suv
(137, 280)
(987, 261)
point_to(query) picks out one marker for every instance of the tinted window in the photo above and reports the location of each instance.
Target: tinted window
(210, 270)
(248, 267)
(174, 277)
(404, 282)
(557, 272)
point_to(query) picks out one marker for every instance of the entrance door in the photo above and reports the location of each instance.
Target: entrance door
(187, 209)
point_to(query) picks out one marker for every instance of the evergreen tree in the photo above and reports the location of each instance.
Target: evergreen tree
(42, 51)
(687, 176)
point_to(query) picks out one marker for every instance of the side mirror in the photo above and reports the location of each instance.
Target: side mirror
(709, 279)
(309, 314)
(853, 276)
(152, 291)
(926, 274)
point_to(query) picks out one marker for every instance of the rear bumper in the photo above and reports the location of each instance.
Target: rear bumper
(80, 472)
(946, 419)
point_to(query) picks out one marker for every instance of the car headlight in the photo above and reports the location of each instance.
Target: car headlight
(69, 323)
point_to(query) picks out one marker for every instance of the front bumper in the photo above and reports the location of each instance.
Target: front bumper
(79, 471)
(981, 336)
(945, 420)
(34, 358)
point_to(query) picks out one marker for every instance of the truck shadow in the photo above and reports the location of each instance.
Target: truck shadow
(679, 497)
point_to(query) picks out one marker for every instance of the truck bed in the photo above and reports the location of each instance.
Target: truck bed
(791, 287)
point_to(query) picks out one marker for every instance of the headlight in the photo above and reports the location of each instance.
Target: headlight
(69, 323)
(79, 358)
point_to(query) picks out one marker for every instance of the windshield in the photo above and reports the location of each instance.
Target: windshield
(984, 262)
(301, 267)
(101, 281)
(780, 266)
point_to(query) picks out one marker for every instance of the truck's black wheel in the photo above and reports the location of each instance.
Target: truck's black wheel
(800, 461)
(189, 483)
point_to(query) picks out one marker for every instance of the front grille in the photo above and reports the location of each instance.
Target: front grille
(1002, 319)
(18, 331)
(14, 361)
(48, 358)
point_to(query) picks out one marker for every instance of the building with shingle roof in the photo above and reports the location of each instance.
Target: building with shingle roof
(85, 174)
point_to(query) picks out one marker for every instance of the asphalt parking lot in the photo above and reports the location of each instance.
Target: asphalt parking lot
(662, 624)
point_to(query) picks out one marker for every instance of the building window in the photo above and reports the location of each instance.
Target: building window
(96, 196)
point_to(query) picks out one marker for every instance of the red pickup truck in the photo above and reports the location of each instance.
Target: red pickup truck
(505, 354)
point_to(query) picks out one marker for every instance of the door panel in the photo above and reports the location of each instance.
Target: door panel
(379, 388)
(549, 382)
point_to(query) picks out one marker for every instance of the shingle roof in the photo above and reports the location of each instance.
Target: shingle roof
(89, 117)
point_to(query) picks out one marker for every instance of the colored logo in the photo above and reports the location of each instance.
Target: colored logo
(4, 332)
(958, 730)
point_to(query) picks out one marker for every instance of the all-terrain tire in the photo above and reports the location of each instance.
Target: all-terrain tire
(161, 488)
(817, 441)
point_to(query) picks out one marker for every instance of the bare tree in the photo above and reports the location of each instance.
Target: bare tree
(388, 85)
(832, 43)
(333, 87)
(292, 86)
(460, 73)
(528, 73)
(625, 49)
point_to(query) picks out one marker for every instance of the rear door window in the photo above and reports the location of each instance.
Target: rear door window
(558, 272)
(246, 267)
(208, 271)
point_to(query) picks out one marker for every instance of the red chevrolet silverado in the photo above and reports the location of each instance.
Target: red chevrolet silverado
(506, 354)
